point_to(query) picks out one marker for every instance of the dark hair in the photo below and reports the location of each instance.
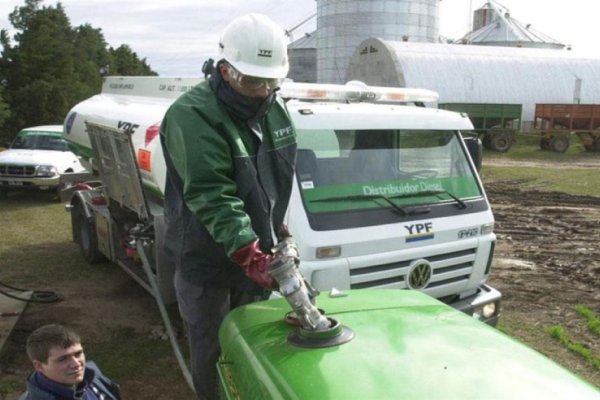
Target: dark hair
(46, 337)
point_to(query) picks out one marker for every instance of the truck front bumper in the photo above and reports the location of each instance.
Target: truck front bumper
(9, 182)
(480, 304)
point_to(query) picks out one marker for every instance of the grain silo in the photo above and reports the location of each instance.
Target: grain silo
(480, 74)
(493, 25)
(343, 24)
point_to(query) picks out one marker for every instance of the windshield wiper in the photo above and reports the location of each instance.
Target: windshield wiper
(461, 204)
(359, 197)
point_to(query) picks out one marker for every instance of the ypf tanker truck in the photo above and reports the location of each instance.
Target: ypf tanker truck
(386, 193)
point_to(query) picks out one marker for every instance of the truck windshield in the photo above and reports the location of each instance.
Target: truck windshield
(354, 171)
(39, 142)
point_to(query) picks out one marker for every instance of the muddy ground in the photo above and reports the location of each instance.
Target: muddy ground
(547, 262)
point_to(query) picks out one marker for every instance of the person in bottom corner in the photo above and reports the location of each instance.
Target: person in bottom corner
(60, 369)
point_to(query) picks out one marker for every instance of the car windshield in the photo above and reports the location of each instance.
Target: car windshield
(37, 141)
(354, 170)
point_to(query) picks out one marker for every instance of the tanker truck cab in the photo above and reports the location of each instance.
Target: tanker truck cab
(387, 197)
(386, 194)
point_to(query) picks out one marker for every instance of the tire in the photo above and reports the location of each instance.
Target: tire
(501, 141)
(57, 191)
(86, 236)
(486, 141)
(560, 143)
(595, 146)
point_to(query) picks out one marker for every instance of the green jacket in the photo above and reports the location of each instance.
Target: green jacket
(225, 186)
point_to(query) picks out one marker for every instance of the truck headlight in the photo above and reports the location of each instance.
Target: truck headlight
(46, 171)
(488, 310)
(485, 312)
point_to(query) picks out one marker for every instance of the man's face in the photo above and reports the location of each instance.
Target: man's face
(65, 366)
(246, 85)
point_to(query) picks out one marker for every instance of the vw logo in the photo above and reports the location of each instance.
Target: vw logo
(419, 275)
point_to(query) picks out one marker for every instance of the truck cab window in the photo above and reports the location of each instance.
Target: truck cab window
(347, 164)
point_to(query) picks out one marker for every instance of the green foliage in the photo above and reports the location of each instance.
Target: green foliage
(49, 66)
(593, 322)
(126, 62)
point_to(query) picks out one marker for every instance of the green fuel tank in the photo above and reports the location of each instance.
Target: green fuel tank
(406, 345)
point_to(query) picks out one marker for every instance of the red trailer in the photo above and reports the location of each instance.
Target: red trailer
(557, 121)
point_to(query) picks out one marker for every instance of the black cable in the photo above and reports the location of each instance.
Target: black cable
(38, 296)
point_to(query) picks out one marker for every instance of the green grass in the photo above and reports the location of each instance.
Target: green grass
(40, 242)
(593, 322)
(574, 181)
(527, 148)
(126, 354)
(562, 178)
(558, 332)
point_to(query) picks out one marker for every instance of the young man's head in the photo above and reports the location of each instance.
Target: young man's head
(56, 352)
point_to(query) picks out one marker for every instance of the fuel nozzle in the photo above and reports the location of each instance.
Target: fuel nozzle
(297, 291)
(315, 330)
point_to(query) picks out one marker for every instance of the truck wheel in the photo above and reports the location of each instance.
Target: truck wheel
(560, 143)
(486, 141)
(86, 236)
(501, 141)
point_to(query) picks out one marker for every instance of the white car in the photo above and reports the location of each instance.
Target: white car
(36, 159)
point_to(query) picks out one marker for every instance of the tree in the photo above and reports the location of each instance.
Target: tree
(124, 61)
(90, 53)
(48, 66)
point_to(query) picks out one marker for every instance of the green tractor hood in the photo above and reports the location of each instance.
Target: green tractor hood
(406, 346)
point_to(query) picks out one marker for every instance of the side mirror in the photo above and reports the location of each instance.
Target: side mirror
(475, 150)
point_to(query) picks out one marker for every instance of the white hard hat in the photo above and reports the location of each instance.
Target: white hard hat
(256, 46)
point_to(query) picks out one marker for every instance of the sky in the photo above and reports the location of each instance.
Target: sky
(177, 36)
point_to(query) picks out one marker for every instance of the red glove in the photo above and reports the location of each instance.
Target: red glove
(256, 264)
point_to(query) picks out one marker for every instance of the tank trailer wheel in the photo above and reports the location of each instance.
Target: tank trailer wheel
(86, 236)
(486, 141)
(595, 146)
(560, 143)
(501, 141)
(545, 143)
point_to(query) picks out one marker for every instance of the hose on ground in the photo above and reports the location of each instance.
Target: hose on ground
(38, 296)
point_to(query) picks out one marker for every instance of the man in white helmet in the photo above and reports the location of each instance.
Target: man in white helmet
(230, 148)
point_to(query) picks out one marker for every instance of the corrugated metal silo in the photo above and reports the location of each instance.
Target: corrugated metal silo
(480, 74)
(344, 24)
(303, 59)
(493, 25)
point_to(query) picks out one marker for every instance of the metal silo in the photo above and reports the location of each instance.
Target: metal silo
(343, 24)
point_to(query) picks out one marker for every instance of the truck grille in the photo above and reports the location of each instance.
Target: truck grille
(447, 268)
(17, 170)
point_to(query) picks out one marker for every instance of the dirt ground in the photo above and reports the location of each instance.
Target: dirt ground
(547, 261)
